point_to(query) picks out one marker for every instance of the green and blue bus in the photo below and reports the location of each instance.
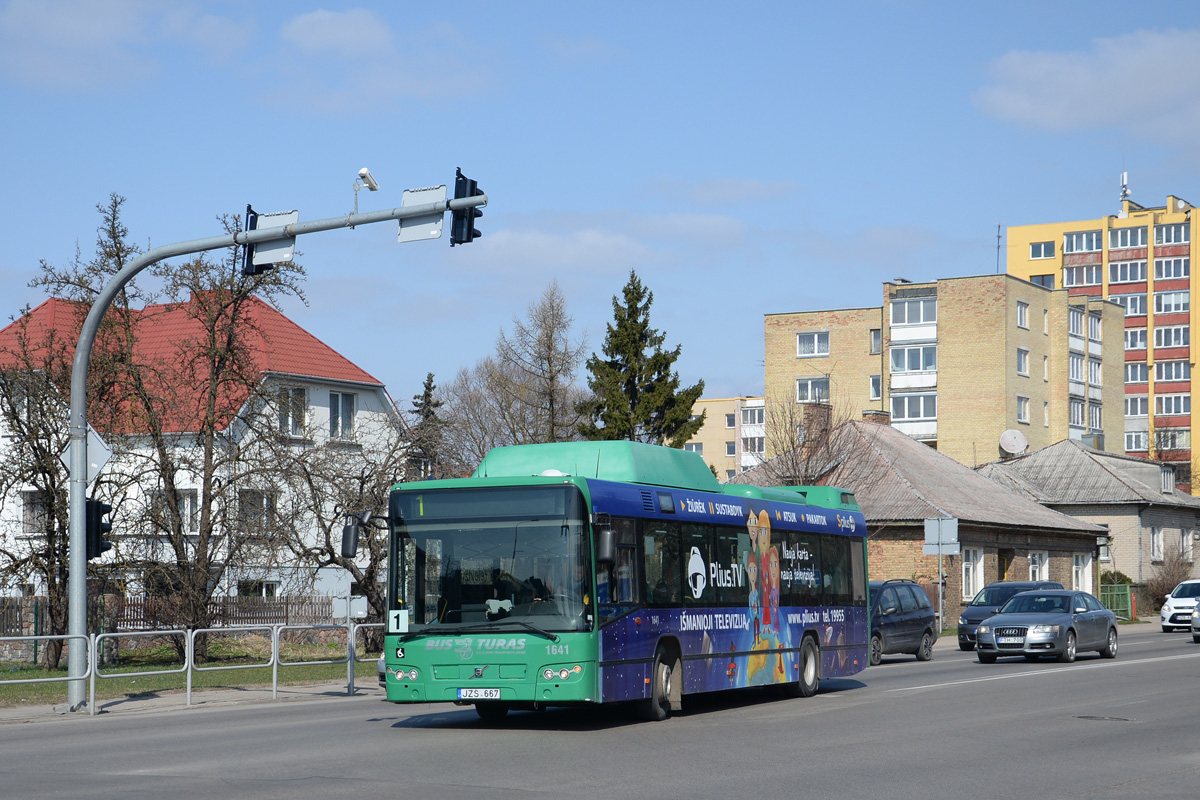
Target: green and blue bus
(616, 572)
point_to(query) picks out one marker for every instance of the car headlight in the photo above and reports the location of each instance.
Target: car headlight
(962, 620)
(1045, 629)
(1196, 612)
(984, 629)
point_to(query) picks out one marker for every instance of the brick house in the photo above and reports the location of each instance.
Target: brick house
(900, 482)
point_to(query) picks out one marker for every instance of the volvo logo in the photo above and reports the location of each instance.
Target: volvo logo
(479, 671)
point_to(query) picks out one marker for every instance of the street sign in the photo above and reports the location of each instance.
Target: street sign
(275, 251)
(98, 454)
(426, 226)
(941, 537)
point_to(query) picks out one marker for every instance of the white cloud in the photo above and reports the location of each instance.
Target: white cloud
(346, 33)
(720, 191)
(1142, 83)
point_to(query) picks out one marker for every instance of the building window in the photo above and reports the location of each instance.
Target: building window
(876, 341)
(1137, 405)
(1135, 338)
(1095, 417)
(812, 390)
(1075, 367)
(1137, 441)
(1046, 413)
(1134, 304)
(1041, 250)
(1081, 572)
(266, 589)
(972, 572)
(1127, 272)
(755, 445)
(189, 510)
(1095, 372)
(1022, 361)
(1039, 565)
(1082, 242)
(922, 358)
(1045, 368)
(341, 415)
(812, 344)
(1022, 315)
(1185, 544)
(1172, 371)
(292, 404)
(730, 474)
(914, 312)
(1023, 409)
(1075, 322)
(1172, 336)
(256, 510)
(753, 416)
(1172, 404)
(1138, 372)
(1166, 268)
(730, 420)
(1076, 410)
(913, 407)
(1171, 302)
(876, 387)
(731, 448)
(1088, 275)
(1179, 233)
(1156, 544)
(695, 447)
(1172, 439)
(1094, 329)
(1121, 238)
(1046, 281)
(35, 516)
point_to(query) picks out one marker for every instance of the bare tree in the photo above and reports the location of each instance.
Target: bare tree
(1176, 567)
(525, 393)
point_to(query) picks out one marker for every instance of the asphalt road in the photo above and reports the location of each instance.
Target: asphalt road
(949, 728)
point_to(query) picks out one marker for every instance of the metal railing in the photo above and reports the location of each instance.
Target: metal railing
(274, 657)
(94, 661)
(87, 673)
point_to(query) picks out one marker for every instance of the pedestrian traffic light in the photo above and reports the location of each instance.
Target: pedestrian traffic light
(97, 526)
(462, 222)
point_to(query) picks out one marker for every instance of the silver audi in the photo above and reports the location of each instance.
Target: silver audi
(1044, 622)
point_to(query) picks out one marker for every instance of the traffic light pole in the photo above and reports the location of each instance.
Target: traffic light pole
(77, 544)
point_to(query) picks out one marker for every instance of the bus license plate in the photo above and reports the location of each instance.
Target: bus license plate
(1009, 640)
(478, 694)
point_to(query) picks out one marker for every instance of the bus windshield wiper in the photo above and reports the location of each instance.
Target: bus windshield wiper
(445, 630)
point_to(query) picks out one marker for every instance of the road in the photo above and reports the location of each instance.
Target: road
(949, 728)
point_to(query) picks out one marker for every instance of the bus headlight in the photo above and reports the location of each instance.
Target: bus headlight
(548, 674)
(412, 674)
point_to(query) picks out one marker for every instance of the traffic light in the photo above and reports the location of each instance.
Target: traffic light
(96, 528)
(462, 222)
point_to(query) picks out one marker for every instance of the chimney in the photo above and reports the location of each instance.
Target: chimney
(878, 416)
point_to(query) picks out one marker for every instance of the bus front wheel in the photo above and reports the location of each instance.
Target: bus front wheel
(657, 706)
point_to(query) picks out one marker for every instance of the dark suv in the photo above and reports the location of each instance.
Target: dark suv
(988, 602)
(902, 620)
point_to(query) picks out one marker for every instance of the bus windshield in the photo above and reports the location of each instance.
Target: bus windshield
(492, 558)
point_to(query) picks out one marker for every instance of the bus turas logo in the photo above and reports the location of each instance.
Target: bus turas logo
(845, 523)
(696, 578)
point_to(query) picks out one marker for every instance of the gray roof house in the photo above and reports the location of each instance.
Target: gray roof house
(1003, 534)
(1149, 520)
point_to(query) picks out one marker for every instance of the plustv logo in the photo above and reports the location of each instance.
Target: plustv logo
(696, 577)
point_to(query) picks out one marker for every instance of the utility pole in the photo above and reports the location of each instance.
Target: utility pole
(77, 544)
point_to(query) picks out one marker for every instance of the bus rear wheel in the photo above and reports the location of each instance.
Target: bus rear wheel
(810, 669)
(657, 706)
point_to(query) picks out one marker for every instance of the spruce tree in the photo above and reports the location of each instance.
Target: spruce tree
(636, 394)
(425, 456)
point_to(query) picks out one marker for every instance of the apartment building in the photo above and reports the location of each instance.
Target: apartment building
(958, 362)
(1141, 259)
(733, 438)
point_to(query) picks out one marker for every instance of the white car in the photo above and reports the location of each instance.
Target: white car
(1177, 610)
(1196, 625)
(381, 668)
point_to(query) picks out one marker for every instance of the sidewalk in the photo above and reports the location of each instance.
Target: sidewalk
(176, 700)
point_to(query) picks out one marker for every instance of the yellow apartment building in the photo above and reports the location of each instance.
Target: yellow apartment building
(959, 363)
(1141, 259)
(733, 438)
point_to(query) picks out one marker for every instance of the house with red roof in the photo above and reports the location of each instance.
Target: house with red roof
(301, 393)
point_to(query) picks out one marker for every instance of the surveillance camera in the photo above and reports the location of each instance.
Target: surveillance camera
(368, 180)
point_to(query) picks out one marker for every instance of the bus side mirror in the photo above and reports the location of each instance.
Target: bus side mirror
(350, 539)
(606, 546)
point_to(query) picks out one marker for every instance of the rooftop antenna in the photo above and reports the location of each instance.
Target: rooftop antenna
(997, 248)
(1124, 187)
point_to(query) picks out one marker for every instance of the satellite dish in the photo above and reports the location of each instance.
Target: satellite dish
(1013, 442)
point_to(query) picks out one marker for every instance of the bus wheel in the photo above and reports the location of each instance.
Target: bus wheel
(657, 706)
(491, 711)
(810, 668)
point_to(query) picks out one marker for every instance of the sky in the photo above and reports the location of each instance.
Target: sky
(743, 158)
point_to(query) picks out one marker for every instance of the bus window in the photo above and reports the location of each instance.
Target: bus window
(697, 555)
(732, 546)
(802, 564)
(619, 587)
(664, 573)
(835, 561)
(859, 572)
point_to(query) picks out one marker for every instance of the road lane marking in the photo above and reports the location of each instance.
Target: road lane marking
(1052, 671)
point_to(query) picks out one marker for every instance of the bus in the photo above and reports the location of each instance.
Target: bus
(578, 573)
